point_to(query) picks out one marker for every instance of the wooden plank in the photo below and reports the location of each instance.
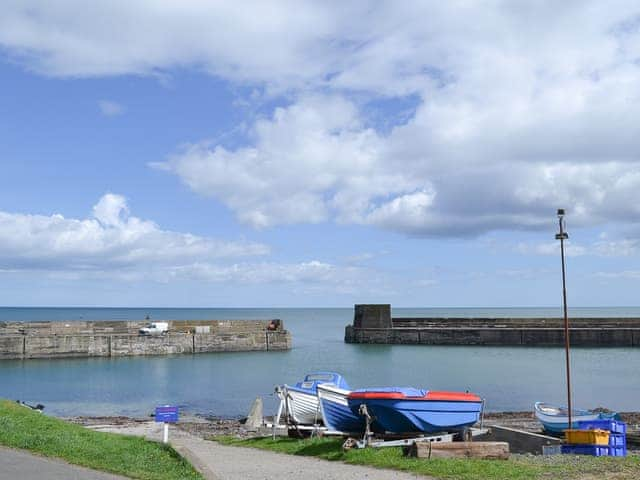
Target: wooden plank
(485, 450)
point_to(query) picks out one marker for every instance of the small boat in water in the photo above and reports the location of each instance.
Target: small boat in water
(402, 410)
(555, 420)
(300, 401)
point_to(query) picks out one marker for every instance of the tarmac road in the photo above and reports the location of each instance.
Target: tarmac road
(21, 465)
(220, 462)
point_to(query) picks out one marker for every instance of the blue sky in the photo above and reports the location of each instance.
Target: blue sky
(213, 154)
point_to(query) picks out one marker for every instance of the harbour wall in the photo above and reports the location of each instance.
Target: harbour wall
(26, 340)
(374, 324)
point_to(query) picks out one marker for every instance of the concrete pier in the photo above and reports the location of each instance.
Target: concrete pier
(374, 324)
(25, 340)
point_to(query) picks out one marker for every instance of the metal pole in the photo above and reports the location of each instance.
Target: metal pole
(165, 435)
(562, 236)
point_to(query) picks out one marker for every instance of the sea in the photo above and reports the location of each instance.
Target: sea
(226, 384)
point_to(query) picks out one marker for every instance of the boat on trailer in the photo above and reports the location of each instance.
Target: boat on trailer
(555, 420)
(406, 409)
(300, 401)
(335, 411)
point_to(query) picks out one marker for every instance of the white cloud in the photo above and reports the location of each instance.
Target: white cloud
(312, 274)
(410, 211)
(623, 247)
(525, 273)
(112, 244)
(109, 108)
(552, 248)
(625, 275)
(247, 41)
(522, 108)
(111, 239)
(392, 48)
(312, 161)
(616, 248)
(268, 272)
(316, 161)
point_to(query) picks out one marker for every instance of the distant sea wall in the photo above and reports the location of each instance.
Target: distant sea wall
(374, 324)
(25, 340)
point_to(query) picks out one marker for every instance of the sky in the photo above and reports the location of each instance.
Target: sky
(318, 154)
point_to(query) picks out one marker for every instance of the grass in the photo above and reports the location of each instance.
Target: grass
(517, 468)
(130, 456)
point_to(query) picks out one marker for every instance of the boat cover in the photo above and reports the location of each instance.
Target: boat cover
(409, 393)
(311, 381)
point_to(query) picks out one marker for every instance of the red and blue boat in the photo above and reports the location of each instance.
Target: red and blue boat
(406, 409)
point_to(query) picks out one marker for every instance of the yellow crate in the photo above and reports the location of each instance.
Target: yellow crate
(587, 437)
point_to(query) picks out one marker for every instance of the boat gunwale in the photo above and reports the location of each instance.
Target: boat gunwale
(430, 396)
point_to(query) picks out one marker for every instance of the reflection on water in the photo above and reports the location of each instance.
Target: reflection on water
(226, 384)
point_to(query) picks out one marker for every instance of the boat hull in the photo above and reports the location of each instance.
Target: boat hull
(401, 409)
(400, 416)
(336, 414)
(303, 406)
(555, 420)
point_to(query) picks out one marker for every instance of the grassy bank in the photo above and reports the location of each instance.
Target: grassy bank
(134, 457)
(517, 468)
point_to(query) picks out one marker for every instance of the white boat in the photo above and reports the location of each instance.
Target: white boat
(555, 420)
(300, 401)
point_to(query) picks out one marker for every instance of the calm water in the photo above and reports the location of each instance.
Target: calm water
(226, 384)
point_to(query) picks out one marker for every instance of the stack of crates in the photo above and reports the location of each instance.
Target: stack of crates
(598, 438)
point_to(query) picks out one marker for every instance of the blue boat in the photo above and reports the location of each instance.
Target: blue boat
(403, 410)
(555, 420)
(336, 414)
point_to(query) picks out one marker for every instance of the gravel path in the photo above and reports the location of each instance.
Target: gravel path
(222, 462)
(18, 464)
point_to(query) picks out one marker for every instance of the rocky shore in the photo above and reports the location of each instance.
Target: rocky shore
(206, 427)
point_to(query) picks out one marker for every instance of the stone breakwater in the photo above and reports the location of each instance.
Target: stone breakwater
(25, 340)
(374, 324)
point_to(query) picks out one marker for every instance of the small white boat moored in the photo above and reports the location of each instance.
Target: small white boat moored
(555, 420)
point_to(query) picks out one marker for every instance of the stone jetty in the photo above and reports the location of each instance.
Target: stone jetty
(25, 340)
(374, 324)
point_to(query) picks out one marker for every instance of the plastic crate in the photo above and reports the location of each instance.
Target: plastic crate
(587, 437)
(593, 450)
(617, 440)
(551, 449)
(618, 451)
(614, 426)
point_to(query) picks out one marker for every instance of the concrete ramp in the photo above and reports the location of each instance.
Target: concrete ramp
(520, 441)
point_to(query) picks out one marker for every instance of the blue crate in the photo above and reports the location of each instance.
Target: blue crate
(593, 450)
(617, 440)
(614, 426)
(618, 451)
